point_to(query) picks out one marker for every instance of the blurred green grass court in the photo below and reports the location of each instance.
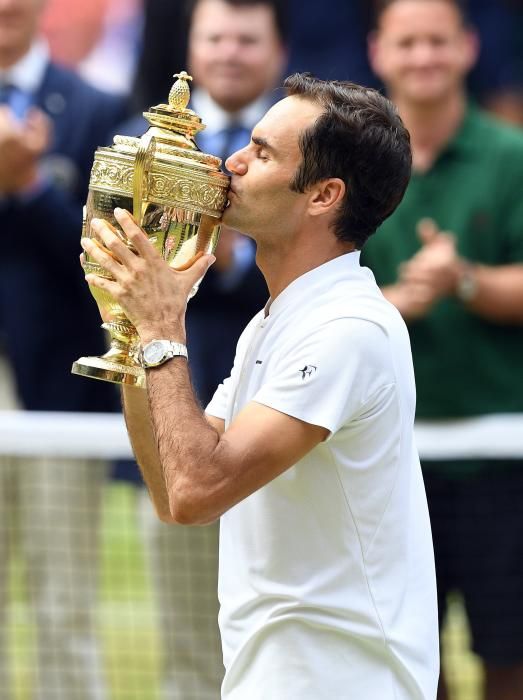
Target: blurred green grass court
(127, 618)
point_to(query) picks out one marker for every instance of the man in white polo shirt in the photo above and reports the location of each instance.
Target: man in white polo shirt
(306, 452)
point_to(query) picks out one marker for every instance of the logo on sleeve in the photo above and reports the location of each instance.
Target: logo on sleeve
(307, 371)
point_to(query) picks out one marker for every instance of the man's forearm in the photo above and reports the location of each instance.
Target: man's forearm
(139, 426)
(186, 442)
(497, 295)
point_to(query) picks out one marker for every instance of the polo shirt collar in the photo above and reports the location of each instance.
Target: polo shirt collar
(28, 73)
(465, 139)
(317, 279)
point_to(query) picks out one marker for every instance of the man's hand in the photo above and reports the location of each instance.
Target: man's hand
(413, 300)
(437, 265)
(152, 294)
(430, 275)
(22, 144)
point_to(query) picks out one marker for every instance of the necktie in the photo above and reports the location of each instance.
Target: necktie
(17, 100)
(6, 90)
(234, 137)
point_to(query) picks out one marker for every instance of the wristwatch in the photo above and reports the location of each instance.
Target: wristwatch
(467, 285)
(157, 352)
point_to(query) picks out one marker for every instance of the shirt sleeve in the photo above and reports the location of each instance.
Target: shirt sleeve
(328, 377)
(217, 406)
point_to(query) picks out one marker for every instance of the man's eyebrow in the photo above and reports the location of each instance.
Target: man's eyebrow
(259, 141)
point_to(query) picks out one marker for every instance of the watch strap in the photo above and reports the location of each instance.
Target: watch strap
(467, 285)
(177, 349)
(170, 349)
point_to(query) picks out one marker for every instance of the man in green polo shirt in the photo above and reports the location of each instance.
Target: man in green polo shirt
(451, 259)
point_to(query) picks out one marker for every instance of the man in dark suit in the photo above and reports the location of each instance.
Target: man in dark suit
(50, 124)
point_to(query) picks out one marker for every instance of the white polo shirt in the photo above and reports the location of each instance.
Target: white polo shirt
(326, 583)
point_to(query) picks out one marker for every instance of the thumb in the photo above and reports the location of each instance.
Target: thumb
(195, 268)
(200, 262)
(198, 270)
(203, 263)
(427, 230)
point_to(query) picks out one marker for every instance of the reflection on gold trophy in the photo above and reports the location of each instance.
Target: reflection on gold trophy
(177, 195)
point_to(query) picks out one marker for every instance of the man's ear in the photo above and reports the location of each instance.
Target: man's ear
(326, 196)
(472, 46)
(373, 52)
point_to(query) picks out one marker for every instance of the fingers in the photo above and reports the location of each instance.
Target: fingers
(413, 274)
(102, 283)
(114, 254)
(201, 265)
(134, 233)
(105, 258)
(8, 122)
(189, 263)
(113, 242)
(418, 271)
(37, 131)
(427, 230)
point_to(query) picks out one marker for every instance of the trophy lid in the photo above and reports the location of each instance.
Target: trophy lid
(173, 126)
(176, 116)
(164, 165)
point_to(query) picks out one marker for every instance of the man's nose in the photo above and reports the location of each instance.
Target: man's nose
(236, 163)
(423, 53)
(230, 49)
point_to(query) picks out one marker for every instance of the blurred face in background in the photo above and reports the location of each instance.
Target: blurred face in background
(18, 26)
(235, 52)
(422, 50)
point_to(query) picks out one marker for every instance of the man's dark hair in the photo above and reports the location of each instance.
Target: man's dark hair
(360, 139)
(279, 8)
(381, 5)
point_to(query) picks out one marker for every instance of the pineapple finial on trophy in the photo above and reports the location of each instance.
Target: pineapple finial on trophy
(180, 94)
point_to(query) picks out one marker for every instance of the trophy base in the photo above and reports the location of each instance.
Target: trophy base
(107, 371)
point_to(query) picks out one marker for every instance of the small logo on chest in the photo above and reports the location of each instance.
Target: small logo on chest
(307, 371)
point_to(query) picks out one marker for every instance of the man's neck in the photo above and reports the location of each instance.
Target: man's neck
(9, 58)
(431, 127)
(282, 264)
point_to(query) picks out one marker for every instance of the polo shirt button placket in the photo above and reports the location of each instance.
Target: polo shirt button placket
(253, 346)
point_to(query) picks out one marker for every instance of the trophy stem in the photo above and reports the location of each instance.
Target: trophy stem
(120, 364)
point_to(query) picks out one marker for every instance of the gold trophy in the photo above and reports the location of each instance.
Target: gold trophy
(176, 193)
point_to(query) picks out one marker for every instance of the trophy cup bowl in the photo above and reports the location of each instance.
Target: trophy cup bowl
(177, 195)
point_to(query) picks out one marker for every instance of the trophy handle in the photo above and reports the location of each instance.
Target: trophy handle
(143, 160)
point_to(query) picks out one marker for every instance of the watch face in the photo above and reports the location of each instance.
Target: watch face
(153, 353)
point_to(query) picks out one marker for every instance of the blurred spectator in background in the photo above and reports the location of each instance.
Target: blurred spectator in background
(99, 39)
(330, 42)
(50, 125)
(236, 55)
(451, 259)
